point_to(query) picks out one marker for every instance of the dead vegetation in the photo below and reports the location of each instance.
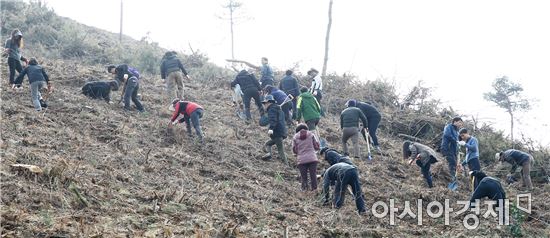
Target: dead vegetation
(107, 173)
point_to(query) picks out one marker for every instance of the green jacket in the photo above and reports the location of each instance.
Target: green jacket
(350, 117)
(308, 107)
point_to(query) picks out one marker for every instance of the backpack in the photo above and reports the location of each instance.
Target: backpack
(133, 71)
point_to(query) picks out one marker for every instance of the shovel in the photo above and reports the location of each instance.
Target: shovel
(454, 184)
(366, 137)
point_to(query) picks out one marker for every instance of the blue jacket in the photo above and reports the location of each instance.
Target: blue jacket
(289, 85)
(448, 143)
(472, 150)
(276, 119)
(35, 73)
(279, 95)
(266, 75)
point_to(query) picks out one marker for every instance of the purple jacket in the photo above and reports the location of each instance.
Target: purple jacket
(304, 145)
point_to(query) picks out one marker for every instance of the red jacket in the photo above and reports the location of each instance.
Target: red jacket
(185, 108)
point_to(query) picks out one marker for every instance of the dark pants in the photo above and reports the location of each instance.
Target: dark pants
(451, 160)
(319, 96)
(425, 169)
(311, 170)
(14, 64)
(350, 178)
(195, 120)
(286, 110)
(373, 126)
(279, 142)
(132, 87)
(294, 109)
(248, 95)
(312, 124)
(473, 165)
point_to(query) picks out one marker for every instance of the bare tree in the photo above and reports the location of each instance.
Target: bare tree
(121, 11)
(507, 95)
(324, 71)
(232, 7)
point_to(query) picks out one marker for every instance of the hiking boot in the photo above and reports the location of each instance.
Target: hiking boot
(266, 157)
(43, 103)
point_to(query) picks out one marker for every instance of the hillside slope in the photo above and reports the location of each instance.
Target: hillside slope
(109, 173)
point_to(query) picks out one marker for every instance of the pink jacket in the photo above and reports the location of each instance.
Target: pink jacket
(304, 145)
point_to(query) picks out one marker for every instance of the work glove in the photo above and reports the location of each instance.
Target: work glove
(462, 143)
(510, 179)
(125, 76)
(270, 132)
(175, 122)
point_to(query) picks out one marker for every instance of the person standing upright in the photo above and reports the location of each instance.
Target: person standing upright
(12, 49)
(277, 129)
(316, 84)
(266, 73)
(308, 108)
(289, 85)
(449, 146)
(173, 72)
(349, 123)
(251, 90)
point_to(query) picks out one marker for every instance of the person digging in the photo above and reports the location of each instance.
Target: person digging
(277, 128)
(423, 156)
(192, 113)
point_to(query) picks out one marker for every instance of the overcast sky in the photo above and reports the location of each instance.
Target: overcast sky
(456, 47)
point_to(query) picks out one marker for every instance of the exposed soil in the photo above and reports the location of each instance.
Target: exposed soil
(110, 173)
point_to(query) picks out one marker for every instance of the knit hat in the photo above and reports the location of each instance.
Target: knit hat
(301, 126)
(351, 103)
(269, 98)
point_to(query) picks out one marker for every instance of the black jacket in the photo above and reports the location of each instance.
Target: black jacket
(121, 70)
(171, 64)
(351, 116)
(276, 121)
(333, 174)
(289, 85)
(333, 157)
(488, 187)
(35, 73)
(247, 81)
(369, 111)
(99, 89)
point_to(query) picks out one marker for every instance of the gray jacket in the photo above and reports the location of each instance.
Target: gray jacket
(424, 151)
